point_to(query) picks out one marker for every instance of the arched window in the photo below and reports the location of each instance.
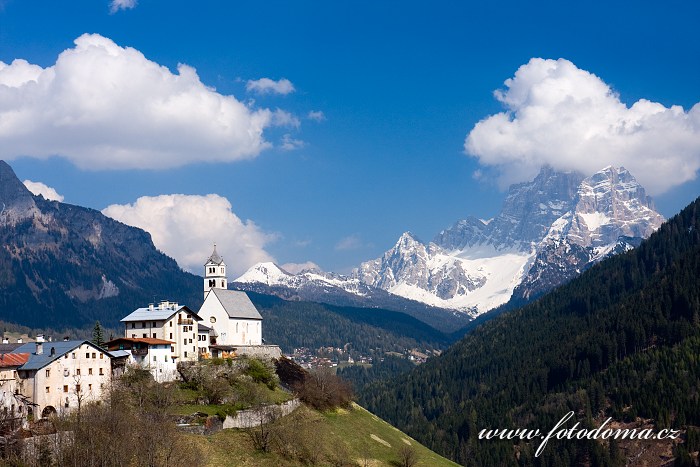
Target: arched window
(212, 283)
(223, 284)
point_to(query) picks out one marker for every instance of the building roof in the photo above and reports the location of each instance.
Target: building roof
(140, 340)
(214, 258)
(119, 353)
(8, 360)
(237, 304)
(202, 328)
(6, 348)
(36, 362)
(160, 312)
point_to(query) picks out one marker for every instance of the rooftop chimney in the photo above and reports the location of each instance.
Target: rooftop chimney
(150, 307)
(39, 345)
(19, 341)
(6, 341)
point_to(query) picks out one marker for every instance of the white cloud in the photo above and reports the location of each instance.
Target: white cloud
(351, 242)
(103, 106)
(296, 268)
(316, 115)
(186, 227)
(560, 115)
(269, 86)
(44, 190)
(116, 5)
(290, 144)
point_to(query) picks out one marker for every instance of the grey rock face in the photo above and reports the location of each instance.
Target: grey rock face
(527, 214)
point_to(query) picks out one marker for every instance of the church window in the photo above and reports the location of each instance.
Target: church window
(222, 270)
(222, 284)
(212, 283)
(212, 319)
(236, 327)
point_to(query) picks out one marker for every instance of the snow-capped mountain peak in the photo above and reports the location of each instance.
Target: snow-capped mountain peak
(266, 273)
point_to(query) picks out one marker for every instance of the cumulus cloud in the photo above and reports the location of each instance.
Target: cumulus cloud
(270, 86)
(44, 190)
(103, 106)
(560, 115)
(186, 227)
(296, 268)
(316, 115)
(116, 5)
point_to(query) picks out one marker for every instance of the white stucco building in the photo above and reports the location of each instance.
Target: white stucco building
(148, 353)
(167, 321)
(61, 376)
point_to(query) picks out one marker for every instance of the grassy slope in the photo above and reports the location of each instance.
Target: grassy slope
(353, 428)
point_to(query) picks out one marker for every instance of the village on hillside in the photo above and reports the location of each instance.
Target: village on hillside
(46, 377)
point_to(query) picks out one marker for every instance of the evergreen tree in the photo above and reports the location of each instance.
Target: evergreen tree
(97, 335)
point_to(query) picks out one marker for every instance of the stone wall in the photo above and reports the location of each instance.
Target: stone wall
(259, 351)
(254, 417)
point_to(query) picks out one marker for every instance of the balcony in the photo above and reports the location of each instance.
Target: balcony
(185, 321)
(139, 352)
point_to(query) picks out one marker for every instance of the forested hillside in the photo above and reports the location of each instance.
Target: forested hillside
(292, 324)
(621, 340)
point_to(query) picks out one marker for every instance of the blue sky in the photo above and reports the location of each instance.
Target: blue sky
(400, 86)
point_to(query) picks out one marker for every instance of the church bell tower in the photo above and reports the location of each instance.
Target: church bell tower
(214, 273)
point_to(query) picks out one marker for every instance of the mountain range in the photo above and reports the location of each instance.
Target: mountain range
(548, 231)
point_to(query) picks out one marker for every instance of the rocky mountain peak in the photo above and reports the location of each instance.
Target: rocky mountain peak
(16, 201)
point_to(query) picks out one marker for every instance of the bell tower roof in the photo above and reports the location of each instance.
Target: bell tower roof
(215, 258)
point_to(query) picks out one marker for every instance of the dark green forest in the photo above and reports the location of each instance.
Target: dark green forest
(621, 340)
(369, 331)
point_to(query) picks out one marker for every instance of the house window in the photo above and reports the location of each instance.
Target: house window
(154, 324)
(171, 335)
(133, 336)
(154, 335)
(143, 324)
(144, 335)
(185, 341)
(166, 359)
(77, 388)
(66, 355)
(73, 354)
(133, 325)
(89, 387)
(89, 371)
(101, 373)
(94, 355)
(102, 356)
(77, 372)
(48, 373)
(154, 358)
(47, 390)
(185, 354)
(190, 341)
(171, 324)
(172, 348)
(87, 355)
(65, 388)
